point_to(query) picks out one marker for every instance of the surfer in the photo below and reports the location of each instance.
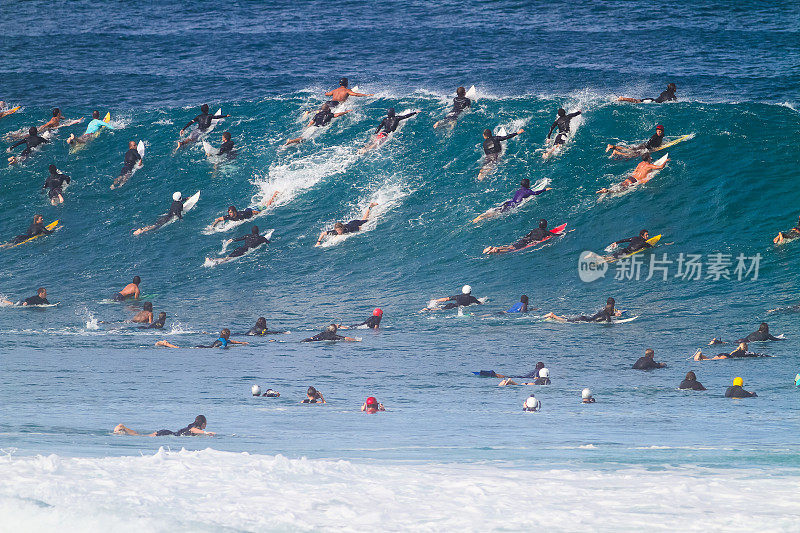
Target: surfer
(260, 329)
(373, 322)
(313, 396)
(791, 234)
(226, 148)
(742, 350)
(329, 334)
(341, 94)
(648, 362)
(55, 181)
(628, 152)
(320, 120)
(665, 96)
(492, 149)
(157, 323)
(762, 334)
(131, 290)
(5, 111)
(459, 300)
(640, 175)
(235, 215)
(586, 396)
(131, 159)
(519, 307)
(175, 211)
(389, 125)
(251, 241)
(562, 123)
(343, 229)
(636, 243)
(195, 428)
(690, 382)
(522, 193)
(91, 129)
(36, 228)
(534, 236)
(606, 314)
(40, 298)
(31, 141)
(145, 315)
(460, 104)
(372, 406)
(203, 121)
(737, 390)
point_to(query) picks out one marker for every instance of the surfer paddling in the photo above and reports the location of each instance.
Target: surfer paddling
(320, 120)
(666, 96)
(460, 104)
(94, 127)
(175, 211)
(628, 152)
(640, 175)
(341, 94)
(351, 227)
(792, 234)
(534, 236)
(492, 150)
(203, 121)
(389, 125)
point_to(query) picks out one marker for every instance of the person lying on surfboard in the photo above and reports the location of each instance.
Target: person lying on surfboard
(460, 104)
(236, 214)
(39, 299)
(389, 125)
(492, 149)
(36, 228)
(459, 300)
(175, 210)
(93, 127)
(226, 148)
(640, 174)
(791, 234)
(666, 96)
(341, 94)
(636, 243)
(351, 227)
(523, 192)
(203, 121)
(320, 120)
(629, 152)
(55, 182)
(606, 314)
(562, 123)
(31, 141)
(533, 236)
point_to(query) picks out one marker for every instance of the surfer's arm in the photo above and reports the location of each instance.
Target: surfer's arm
(623, 240)
(351, 93)
(337, 115)
(403, 117)
(310, 123)
(549, 133)
(16, 144)
(239, 239)
(573, 115)
(217, 221)
(219, 116)
(321, 237)
(231, 341)
(189, 124)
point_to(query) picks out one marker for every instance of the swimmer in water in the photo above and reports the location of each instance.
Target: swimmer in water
(628, 152)
(639, 242)
(36, 228)
(192, 430)
(131, 290)
(372, 406)
(313, 396)
(690, 382)
(343, 229)
(464, 299)
(175, 211)
(460, 104)
(260, 329)
(93, 128)
(741, 350)
(641, 175)
(40, 298)
(762, 334)
(203, 121)
(158, 323)
(519, 307)
(329, 334)
(226, 148)
(648, 362)
(389, 125)
(586, 396)
(532, 237)
(33, 140)
(492, 150)
(55, 182)
(373, 322)
(792, 234)
(606, 314)
(531, 404)
(320, 120)
(145, 315)
(665, 96)
(737, 390)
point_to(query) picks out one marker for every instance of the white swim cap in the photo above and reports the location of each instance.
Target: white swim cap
(532, 404)
(544, 373)
(466, 289)
(256, 390)
(176, 196)
(586, 394)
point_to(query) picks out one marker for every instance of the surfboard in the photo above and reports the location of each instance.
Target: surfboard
(615, 190)
(674, 142)
(472, 94)
(652, 241)
(498, 209)
(50, 227)
(214, 122)
(558, 230)
(210, 150)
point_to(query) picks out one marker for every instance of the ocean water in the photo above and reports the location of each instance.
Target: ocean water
(453, 450)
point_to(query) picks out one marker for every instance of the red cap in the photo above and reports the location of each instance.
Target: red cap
(659, 127)
(377, 312)
(372, 400)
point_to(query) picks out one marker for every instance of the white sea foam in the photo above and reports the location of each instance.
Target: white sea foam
(210, 490)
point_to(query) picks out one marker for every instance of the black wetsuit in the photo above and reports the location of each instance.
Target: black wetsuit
(492, 146)
(666, 96)
(741, 353)
(55, 182)
(736, 391)
(322, 118)
(260, 332)
(759, 336)
(203, 121)
(309, 400)
(175, 210)
(324, 336)
(460, 103)
(131, 158)
(604, 315)
(251, 242)
(31, 142)
(541, 381)
(227, 148)
(36, 300)
(653, 143)
(389, 124)
(563, 127)
(158, 324)
(184, 432)
(372, 322)
(244, 214)
(691, 384)
(461, 300)
(350, 227)
(36, 228)
(636, 243)
(645, 363)
(533, 236)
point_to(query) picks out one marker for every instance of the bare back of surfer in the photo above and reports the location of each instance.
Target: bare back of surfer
(640, 175)
(342, 93)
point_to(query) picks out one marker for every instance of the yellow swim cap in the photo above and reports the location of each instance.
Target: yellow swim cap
(738, 381)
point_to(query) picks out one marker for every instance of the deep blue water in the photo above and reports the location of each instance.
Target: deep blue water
(64, 382)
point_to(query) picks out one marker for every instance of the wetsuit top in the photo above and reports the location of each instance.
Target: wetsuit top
(691, 384)
(222, 342)
(37, 228)
(460, 103)
(666, 96)
(158, 324)
(260, 332)
(95, 125)
(323, 118)
(541, 381)
(241, 215)
(654, 142)
(176, 209)
(759, 336)
(643, 363)
(742, 353)
(131, 158)
(464, 300)
(226, 147)
(372, 322)
(636, 243)
(604, 315)
(203, 121)
(32, 141)
(737, 391)
(324, 336)
(350, 227)
(309, 400)
(518, 307)
(492, 145)
(36, 300)
(252, 240)
(389, 124)
(187, 431)
(535, 235)
(55, 181)
(563, 123)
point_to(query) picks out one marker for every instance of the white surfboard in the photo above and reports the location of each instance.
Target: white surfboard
(140, 148)
(188, 205)
(210, 150)
(472, 94)
(215, 121)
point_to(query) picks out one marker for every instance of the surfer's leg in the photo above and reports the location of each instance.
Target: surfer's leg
(238, 252)
(627, 99)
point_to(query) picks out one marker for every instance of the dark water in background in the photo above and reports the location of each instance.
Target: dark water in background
(66, 381)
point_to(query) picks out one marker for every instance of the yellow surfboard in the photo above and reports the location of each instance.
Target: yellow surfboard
(674, 142)
(10, 111)
(651, 241)
(50, 227)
